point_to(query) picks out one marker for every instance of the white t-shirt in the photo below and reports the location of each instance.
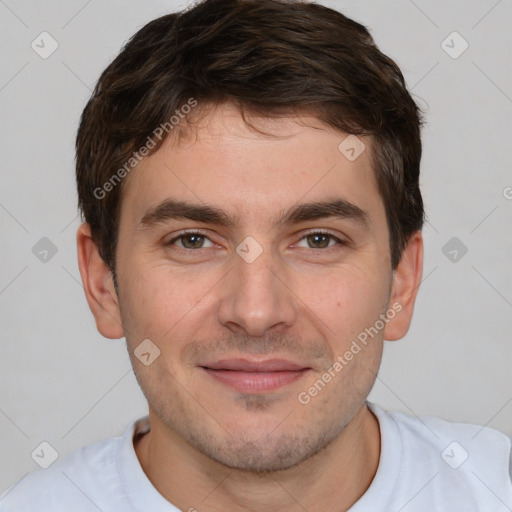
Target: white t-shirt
(426, 465)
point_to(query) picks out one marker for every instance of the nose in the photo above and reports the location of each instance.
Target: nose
(256, 297)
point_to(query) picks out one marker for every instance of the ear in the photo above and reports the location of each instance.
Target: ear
(406, 281)
(98, 285)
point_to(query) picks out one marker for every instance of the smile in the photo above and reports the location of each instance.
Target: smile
(255, 377)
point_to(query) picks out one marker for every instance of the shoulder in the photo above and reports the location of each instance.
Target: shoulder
(452, 440)
(74, 483)
(462, 459)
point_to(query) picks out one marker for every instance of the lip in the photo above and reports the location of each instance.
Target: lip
(255, 376)
(243, 365)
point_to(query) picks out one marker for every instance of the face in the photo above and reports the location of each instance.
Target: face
(252, 302)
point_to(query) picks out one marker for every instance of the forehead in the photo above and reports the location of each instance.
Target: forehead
(231, 165)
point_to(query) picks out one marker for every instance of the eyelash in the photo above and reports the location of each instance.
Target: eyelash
(205, 235)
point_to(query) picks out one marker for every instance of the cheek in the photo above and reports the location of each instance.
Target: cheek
(347, 300)
(156, 301)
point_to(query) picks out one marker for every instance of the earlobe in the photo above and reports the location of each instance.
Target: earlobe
(98, 285)
(406, 281)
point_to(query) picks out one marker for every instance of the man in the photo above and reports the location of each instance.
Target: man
(248, 173)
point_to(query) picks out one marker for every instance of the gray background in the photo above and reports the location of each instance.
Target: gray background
(62, 382)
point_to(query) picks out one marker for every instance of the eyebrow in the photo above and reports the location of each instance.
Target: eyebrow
(172, 209)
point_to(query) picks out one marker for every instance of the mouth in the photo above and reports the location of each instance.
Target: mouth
(255, 376)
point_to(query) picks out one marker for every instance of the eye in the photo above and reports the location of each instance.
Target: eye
(321, 240)
(190, 240)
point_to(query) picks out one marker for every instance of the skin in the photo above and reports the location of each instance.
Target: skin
(211, 447)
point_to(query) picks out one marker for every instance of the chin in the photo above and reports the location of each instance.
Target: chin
(266, 454)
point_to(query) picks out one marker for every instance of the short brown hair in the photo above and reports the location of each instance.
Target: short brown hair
(268, 57)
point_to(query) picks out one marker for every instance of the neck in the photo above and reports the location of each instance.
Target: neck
(333, 479)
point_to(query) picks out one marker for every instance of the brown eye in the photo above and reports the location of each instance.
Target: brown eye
(192, 240)
(321, 240)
